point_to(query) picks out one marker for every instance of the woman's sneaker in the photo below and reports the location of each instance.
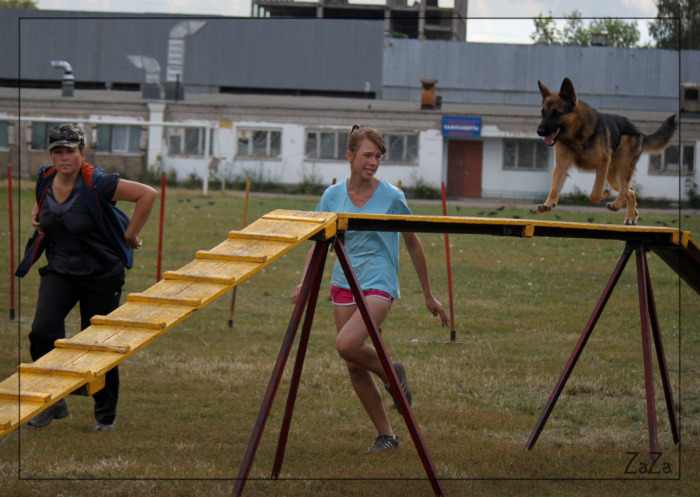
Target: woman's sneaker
(402, 381)
(383, 442)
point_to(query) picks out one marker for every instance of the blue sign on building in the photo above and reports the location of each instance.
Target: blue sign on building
(461, 126)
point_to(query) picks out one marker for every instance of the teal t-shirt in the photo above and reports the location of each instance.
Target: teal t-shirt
(374, 255)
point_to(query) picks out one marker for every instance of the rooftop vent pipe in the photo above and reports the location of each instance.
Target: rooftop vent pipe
(174, 88)
(150, 89)
(68, 83)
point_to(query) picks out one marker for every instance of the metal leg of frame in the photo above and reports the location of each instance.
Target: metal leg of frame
(298, 366)
(661, 359)
(646, 350)
(315, 267)
(344, 261)
(597, 311)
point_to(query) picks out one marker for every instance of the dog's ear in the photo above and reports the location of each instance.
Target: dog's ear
(567, 92)
(544, 90)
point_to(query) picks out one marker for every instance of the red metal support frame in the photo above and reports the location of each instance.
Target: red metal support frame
(647, 310)
(646, 351)
(308, 298)
(298, 365)
(661, 359)
(312, 281)
(378, 343)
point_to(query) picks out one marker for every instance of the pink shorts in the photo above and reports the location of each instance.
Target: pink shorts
(341, 296)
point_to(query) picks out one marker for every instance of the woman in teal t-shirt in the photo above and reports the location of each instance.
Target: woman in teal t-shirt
(374, 257)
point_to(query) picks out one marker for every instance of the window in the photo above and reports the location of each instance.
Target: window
(259, 143)
(189, 141)
(4, 134)
(528, 155)
(673, 160)
(326, 145)
(401, 147)
(40, 133)
(118, 139)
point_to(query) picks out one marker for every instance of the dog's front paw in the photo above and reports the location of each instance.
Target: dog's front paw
(542, 208)
(612, 207)
(632, 221)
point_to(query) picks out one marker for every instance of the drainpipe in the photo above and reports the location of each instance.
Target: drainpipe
(68, 83)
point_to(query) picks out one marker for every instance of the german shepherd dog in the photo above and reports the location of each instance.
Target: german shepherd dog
(608, 144)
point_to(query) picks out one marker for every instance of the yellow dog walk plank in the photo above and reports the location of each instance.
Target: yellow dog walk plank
(507, 227)
(87, 356)
(684, 260)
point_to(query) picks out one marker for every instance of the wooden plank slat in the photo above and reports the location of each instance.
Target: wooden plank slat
(67, 343)
(199, 277)
(131, 323)
(269, 237)
(282, 217)
(163, 299)
(25, 395)
(209, 254)
(53, 370)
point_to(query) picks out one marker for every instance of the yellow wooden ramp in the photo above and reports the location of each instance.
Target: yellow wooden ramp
(86, 357)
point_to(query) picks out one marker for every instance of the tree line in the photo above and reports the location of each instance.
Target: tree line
(677, 26)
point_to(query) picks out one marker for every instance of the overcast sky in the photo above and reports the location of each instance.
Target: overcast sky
(488, 29)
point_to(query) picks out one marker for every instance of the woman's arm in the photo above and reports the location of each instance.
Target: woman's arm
(35, 218)
(144, 197)
(415, 250)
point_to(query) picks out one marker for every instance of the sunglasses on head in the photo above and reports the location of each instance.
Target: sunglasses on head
(65, 134)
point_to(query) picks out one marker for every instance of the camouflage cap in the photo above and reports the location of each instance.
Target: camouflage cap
(66, 135)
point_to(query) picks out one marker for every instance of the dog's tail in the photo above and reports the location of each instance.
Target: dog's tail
(661, 138)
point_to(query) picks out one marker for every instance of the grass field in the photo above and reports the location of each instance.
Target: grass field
(189, 401)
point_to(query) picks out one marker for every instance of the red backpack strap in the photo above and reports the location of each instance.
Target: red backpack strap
(39, 193)
(87, 171)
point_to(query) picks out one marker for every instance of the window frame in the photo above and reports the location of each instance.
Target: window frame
(5, 141)
(271, 153)
(45, 126)
(113, 129)
(181, 134)
(658, 163)
(537, 148)
(407, 148)
(340, 144)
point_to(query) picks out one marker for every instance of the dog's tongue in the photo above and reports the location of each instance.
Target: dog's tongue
(549, 139)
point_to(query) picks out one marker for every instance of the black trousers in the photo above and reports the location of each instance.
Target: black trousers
(58, 295)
